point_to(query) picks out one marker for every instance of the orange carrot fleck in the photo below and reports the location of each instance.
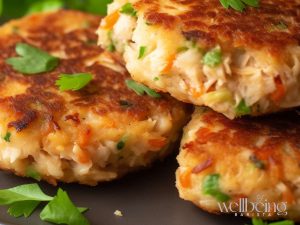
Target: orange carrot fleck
(109, 21)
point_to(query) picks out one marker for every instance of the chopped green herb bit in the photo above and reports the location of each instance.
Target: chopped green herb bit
(213, 58)
(32, 60)
(239, 5)
(121, 144)
(142, 52)
(211, 187)
(242, 109)
(182, 49)
(141, 89)
(281, 25)
(7, 137)
(32, 173)
(125, 104)
(61, 210)
(111, 47)
(156, 78)
(91, 42)
(258, 163)
(128, 10)
(73, 82)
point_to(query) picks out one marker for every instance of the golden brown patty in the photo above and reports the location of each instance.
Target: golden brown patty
(95, 134)
(205, 54)
(224, 162)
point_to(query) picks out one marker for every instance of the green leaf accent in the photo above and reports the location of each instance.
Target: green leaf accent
(32, 60)
(242, 109)
(142, 52)
(141, 89)
(211, 187)
(213, 58)
(7, 137)
(61, 210)
(239, 5)
(73, 82)
(27, 192)
(128, 10)
(24, 208)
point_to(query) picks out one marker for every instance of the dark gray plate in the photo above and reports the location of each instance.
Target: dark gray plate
(146, 198)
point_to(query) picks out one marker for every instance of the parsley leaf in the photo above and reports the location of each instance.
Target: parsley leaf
(239, 5)
(128, 10)
(121, 144)
(211, 187)
(213, 58)
(141, 89)
(32, 60)
(73, 82)
(24, 208)
(61, 210)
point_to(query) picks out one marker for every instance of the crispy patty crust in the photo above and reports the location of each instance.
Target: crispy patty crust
(96, 134)
(225, 162)
(205, 54)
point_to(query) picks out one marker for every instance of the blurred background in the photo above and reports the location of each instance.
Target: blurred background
(10, 9)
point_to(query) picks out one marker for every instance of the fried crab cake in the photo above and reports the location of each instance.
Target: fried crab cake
(95, 134)
(235, 62)
(248, 166)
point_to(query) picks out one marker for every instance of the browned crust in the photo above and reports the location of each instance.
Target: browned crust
(210, 23)
(42, 101)
(277, 129)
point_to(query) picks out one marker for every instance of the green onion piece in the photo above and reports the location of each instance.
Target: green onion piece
(141, 89)
(128, 10)
(213, 58)
(73, 82)
(7, 137)
(142, 52)
(211, 187)
(121, 144)
(242, 109)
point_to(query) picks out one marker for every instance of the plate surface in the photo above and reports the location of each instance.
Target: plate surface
(148, 197)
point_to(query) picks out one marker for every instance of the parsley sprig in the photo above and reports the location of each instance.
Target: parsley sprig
(73, 82)
(239, 5)
(24, 199)
(32, 60)
(141, 89)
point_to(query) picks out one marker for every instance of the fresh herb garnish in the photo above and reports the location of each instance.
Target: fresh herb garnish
(256, 221)
(128, 10)
(211, 187)
(23, 200)
(7, 137)
(121, 144)
(141, 89)
(142, 52)
(182, 49)
(61, 210)
(111, 47)
(242, 109)
(281, 25)
(213, 58)
(156, 79)
(32, 60)
(258, 163)
(73, 82)
(239, 5)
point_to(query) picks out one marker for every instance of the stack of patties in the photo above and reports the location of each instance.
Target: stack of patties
(242, 62)
(69, 110)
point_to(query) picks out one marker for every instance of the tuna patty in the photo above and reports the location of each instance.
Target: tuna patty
(226, 162)
(95, 134)
(235, 62)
